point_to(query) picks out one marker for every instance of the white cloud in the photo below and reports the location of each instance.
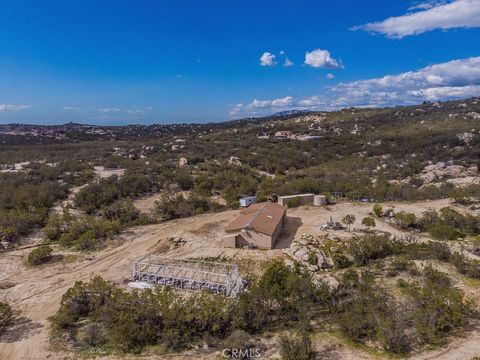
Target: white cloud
(288, 62)
(70, 108)
(107, 110)
(286, 101)
(138, 111)
(445, 81)
(446, 92)
(329, 76)
(436, 15)
(257, 106)
(321, 59)
(135, 111)
(8, 107)
(425, 5)
(267, 59)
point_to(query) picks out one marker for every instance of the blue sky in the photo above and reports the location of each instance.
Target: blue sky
(147, 61)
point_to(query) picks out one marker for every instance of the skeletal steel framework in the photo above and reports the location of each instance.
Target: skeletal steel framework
(188, 274)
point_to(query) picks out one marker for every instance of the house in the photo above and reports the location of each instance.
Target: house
(259, 225)
(247, 201)
(282, 135)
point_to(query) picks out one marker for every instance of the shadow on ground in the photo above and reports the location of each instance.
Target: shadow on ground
(289, 231)
(20, 328)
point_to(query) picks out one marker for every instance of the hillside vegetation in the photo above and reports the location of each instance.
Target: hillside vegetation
(428, 151)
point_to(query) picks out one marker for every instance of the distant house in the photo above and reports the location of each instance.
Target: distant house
(247, 201)
(283, 135)
(259, 225)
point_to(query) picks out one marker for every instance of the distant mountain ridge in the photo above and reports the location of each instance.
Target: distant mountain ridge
(291, 112)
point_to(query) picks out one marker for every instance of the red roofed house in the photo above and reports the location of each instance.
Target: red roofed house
(260, 225)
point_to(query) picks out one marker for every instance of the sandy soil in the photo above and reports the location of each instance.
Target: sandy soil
(146, 204)
(101, 172)
(35, 293)
(69, 202)
(18, 167)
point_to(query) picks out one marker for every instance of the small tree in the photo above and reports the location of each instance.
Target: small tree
(348, 220)
(5, 314)
(40, 255)
(377, 210)
(406, 220)
(368, 222)
(298, 347)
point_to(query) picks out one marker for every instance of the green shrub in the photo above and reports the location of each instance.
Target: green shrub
(377, 210)
(348, 220)
(437, 307)
(293, 203)
(238, 339)
(40, 255)
(443, 232)
(341, 261)
(369, 247)
(468, 267)
(368, 222)
(6, 314)
(83, 233)
(172, 206)
(312, 258)
(406, 220)
(122, 211)
(370, 313)
(296, 347)
(400, 264)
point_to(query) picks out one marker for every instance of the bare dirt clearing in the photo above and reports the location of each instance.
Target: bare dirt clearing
(35, 293)
(101, 172)
(146, 204)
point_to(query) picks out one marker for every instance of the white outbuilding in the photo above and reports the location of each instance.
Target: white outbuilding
(247, 201)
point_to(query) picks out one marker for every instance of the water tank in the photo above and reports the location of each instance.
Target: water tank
(319, 200)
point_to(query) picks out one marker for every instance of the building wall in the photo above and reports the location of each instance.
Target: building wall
(262, 241)
(230, 241)
(278, 230)
(304, 199)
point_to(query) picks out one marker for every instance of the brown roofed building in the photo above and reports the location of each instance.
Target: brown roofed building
(260, 225)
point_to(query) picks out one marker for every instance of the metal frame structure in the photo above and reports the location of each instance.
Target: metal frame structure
(188, 274)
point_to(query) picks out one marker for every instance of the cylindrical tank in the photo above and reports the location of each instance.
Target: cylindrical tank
(319, 200)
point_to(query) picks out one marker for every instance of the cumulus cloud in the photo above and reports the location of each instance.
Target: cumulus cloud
(8, 107)
(267, 59)
(446, 92)
(321, 59)
(257, 106)
(329, 76)
(431, 16)
(445, 81)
